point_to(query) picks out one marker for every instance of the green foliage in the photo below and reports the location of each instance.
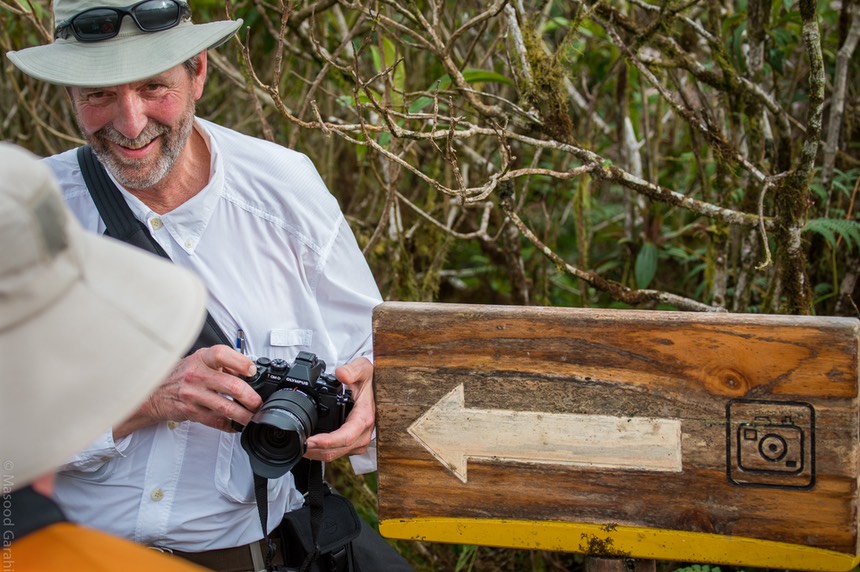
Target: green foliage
(467, 557)
(834, 230)
(472, 76)
(844, 183)
(646, 264)
(386, 58)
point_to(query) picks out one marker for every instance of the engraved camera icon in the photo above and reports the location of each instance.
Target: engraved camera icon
(770, 443)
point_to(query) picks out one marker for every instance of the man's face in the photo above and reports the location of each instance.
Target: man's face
(139, 130)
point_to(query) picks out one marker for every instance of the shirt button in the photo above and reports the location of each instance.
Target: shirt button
(189, 244)
(172, 424)
(156, 223)
(157, 494)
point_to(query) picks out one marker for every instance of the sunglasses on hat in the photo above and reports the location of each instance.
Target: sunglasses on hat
(97, 24)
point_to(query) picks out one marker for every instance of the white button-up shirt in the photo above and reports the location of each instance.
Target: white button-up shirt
(282, 264)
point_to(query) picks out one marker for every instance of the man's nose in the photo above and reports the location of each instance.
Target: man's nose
(131, 117)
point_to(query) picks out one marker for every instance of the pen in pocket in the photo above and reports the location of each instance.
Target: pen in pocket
(240, 341)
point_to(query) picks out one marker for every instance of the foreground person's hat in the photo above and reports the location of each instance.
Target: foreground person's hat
(88, 326)
(132, 55)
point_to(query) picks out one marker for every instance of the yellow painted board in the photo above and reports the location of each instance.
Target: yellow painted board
(619, 542)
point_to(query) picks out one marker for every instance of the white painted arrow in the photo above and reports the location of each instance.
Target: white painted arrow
(453, 434)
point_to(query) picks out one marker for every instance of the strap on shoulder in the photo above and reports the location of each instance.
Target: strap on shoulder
(122, 225)
(115, 212)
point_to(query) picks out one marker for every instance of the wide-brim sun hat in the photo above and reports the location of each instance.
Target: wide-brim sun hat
(132, 55)
(89, 326)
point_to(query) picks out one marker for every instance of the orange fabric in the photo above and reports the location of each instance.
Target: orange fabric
(71, 548)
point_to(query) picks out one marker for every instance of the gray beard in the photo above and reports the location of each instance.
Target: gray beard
(136, 175)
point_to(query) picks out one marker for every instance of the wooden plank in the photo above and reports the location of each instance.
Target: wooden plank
(620, 433)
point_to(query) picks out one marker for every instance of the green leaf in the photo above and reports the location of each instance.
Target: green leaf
(377, 58)
(679, 254)
(349, 100)
(383, 60)
(819, 191)
(844, 181)
(398, 76)
(471, 75)
(477, 75)
(646, 264)
(829, 228)
(699, 568)
(556, 23)
(737, 46)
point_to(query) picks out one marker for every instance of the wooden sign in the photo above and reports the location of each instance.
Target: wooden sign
(714, 438)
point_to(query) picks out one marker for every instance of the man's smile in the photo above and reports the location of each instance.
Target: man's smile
(134, 149)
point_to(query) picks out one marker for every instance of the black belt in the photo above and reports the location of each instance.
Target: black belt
(238, 559)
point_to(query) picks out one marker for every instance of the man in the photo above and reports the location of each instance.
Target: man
(256, 222)
(75, 311)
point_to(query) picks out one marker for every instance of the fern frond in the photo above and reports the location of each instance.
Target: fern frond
(830, 228)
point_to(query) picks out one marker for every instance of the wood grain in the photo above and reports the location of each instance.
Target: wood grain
(768, 408)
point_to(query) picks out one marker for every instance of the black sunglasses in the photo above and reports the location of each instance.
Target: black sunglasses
(98, 24)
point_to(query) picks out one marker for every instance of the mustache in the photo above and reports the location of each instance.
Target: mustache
(150, 132)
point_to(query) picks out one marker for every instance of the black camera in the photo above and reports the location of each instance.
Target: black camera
(299, 400)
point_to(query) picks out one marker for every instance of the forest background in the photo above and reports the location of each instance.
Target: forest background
(695, 155)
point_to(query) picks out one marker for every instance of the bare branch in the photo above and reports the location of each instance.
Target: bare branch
(618, 291)
(840, 86)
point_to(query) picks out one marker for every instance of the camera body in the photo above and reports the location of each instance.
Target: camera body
(333, 401)
(770, 445)
(299, 400)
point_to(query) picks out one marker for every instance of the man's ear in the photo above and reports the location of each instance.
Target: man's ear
(200, 75)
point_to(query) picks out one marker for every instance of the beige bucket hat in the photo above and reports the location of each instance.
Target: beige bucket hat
(132, 55)
(88, 325)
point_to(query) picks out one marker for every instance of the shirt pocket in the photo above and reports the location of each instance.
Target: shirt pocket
(233, 476)
(290, 337)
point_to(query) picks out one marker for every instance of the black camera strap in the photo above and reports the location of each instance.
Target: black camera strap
(261, 495)
(122, 225)
(314, 499)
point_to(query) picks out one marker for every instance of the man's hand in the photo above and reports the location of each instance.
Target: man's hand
(203, 387)
(354, 435)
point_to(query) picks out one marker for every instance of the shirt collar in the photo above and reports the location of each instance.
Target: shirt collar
(187, 222)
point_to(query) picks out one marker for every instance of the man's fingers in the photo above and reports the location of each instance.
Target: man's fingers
(328, 455)
(353, 435)
(225, 358)
(206, 389)
(239, 390)
(358, 371)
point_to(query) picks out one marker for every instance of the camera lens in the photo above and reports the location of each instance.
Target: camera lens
(275, 438)
(773, 447)
(274, 443)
